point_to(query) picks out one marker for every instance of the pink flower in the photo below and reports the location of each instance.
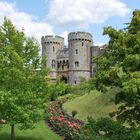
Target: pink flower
(58, 124)
(74, 124)
(60, 119)
(69, 122)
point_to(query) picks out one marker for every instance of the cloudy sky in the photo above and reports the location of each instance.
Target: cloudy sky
(59, 17)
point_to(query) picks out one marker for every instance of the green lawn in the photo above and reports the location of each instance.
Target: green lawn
(95, 104)
(41, 132)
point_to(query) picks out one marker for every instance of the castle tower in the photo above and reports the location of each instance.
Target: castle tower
(79, 44)
(50, 47)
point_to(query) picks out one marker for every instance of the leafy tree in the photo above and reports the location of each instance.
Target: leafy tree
(119, 66)
(23, 86)
(107, 129)
(59, 88)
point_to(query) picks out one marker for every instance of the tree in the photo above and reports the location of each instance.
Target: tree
(107, 129)
(59, 88)
(119, 66)
(23, 86)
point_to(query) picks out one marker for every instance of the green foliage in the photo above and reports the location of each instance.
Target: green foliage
(23, 87)
(74, 113)
(80, 89)
(85, 85)
(58, 89)
(106, 129)
(119, 66)
(22, 109)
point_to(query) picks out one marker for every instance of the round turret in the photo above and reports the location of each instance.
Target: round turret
(52, 39)
(79, 56)
(50, 46)
(79, 36)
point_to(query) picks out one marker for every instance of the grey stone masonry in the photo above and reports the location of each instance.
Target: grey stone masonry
(72, 62)
(79, 44)
(50, 46)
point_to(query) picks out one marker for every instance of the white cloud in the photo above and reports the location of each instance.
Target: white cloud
(82, 13)
(65, 35)
(98, 44)
(24, 20)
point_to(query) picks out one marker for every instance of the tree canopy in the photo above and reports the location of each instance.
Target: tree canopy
(119, 66)
(23, 85)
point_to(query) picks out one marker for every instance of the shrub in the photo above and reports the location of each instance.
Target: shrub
(62, 123)
(53, 96)
(60, 103)
(107, 129)
(74, 113)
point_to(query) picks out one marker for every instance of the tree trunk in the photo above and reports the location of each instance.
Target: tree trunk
(12, 132)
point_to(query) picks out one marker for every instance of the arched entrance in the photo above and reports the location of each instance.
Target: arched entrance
(64, 78)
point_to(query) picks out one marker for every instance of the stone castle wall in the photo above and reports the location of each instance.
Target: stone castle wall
(73, 62)
(50, 47)
(79, 44)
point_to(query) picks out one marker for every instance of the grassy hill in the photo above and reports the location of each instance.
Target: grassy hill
(41, 132)
(95, 104)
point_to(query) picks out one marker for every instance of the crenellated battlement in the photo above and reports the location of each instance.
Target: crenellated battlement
(84, 36)
(52, 39)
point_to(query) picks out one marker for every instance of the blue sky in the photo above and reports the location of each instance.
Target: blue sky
(43, 17)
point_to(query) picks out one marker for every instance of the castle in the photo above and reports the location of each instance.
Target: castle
(72, 62)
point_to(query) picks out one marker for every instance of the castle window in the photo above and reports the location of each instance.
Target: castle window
(75, 81)
(64, 62)
(82, 43)
(62, 67)
(76, 51)
(53, 49)
(67, 63)
(53, 64)
(76, 63)
(58, 65)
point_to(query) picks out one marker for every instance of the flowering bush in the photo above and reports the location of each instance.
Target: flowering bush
(62, 123)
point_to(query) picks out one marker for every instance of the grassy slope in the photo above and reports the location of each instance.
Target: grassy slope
(41, 132)
(94, 104)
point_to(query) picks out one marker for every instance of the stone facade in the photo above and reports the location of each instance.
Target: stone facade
(72, 62)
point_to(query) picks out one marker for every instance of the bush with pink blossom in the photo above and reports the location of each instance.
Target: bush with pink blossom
(62, 123)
